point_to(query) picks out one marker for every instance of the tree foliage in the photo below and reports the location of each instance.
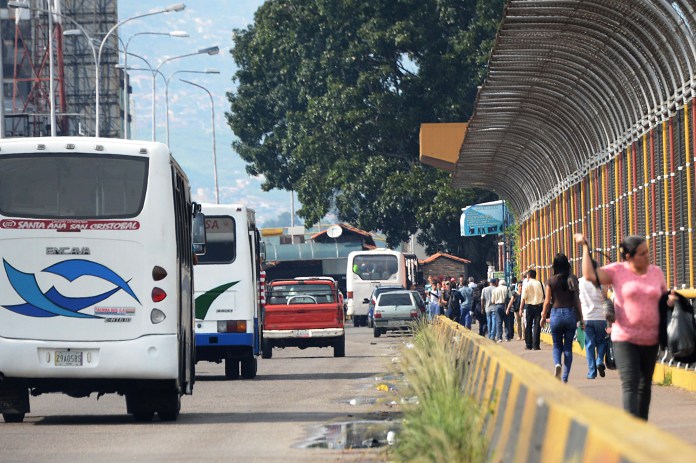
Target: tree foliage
(331, 95)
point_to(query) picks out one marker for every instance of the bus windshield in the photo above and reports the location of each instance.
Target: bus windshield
(61, 186)
(375, 267)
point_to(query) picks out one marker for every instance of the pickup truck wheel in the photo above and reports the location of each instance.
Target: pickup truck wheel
(377, 332)
(266, 349)
(231, 368)
(340, 347)
(249, 368)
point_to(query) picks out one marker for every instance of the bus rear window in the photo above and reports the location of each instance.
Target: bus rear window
(221, 247)
(375, 267)
(69, 186)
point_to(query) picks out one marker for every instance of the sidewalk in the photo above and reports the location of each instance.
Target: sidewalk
(672, 409)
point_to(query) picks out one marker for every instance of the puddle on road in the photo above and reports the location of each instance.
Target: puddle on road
(353, 435)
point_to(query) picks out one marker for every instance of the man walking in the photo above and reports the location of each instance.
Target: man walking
(532, 299)
(490, 308)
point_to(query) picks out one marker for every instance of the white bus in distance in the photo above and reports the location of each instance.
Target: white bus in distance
(227, 290)
(368, 269)
(96, 242)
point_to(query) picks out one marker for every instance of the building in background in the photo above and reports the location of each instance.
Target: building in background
(26, 82)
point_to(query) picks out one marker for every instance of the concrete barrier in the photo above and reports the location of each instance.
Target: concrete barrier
(532, 417)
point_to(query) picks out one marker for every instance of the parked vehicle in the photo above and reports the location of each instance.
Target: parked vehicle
(397, 310)
(373, 299)
(303, 312)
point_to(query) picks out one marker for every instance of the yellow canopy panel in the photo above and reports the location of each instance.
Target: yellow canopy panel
(440, 144)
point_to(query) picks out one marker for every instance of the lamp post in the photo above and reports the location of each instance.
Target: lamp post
(126, 99)
(175, 7)
(203, 51)
(166, 92)
(212, 110)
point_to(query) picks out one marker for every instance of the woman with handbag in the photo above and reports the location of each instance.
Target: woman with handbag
(562, 300)
(638, 287)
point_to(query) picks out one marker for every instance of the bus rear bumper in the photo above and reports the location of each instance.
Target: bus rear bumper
(147, 357)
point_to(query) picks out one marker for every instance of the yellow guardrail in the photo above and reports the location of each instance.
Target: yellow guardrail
(531, 416)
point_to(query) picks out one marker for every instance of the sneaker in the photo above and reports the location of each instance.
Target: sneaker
(557, 371)
(499, 340)
(537, 348)
(591, 377)
(600, 369)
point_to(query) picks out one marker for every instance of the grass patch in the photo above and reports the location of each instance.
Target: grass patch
(445, 424)
(667, 380)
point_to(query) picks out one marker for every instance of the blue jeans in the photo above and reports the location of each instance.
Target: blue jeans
(501, 320)
(492, 322)
(563, 325)
(595, 345)
(466, 317)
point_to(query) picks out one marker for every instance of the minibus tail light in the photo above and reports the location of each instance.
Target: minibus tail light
(158, 273)
(231, 326)
(350, 294)
(157, 316)
(158, 294)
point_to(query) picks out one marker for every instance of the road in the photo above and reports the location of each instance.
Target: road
(268, 419)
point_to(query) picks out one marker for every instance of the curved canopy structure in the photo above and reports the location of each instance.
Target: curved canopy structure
(570, 84)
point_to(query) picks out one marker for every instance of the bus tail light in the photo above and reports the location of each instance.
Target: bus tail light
(231, 326)
(157, 316)
(350, 294)
(158, 273)
(158, 294)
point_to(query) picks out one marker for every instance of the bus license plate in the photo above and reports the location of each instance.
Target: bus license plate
(68, 358)
(302, 334)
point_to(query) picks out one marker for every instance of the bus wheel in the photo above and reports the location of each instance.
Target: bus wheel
(266, 349)
(13, 417)
(171, 413)
(231, 368)
(249, 368)
(340, 347)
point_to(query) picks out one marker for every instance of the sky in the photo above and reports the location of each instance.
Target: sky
(208, 23)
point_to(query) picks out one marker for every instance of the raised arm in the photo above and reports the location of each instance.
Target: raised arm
(588, 272)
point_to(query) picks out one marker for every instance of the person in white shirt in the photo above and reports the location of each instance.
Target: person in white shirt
(591, 300)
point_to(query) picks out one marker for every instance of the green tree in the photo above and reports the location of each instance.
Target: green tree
(331, 95)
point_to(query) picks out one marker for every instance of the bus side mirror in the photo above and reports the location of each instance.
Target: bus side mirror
(199, 236)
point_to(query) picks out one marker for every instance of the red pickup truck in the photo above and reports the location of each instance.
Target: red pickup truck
(303, 312)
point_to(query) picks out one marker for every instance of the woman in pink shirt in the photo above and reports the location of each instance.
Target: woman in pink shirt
(638, 287)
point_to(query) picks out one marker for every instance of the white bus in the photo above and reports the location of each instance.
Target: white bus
(378, 267)
(227, 290)
(96, 241)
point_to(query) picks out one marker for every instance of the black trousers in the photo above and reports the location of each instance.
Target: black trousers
(636, 365)
(532, 337)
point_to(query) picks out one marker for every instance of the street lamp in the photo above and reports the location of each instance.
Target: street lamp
(212, 110)
(171, 8)
(166, 92)
(203, 51)
(126, 102)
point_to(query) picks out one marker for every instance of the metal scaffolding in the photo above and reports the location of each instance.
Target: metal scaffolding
(26, 71)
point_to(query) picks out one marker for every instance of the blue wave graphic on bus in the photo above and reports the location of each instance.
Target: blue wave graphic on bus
(52, 303)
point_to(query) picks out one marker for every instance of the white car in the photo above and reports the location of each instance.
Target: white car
(397, 310)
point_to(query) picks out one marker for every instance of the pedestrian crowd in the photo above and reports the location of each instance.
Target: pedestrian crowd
(623, 331)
